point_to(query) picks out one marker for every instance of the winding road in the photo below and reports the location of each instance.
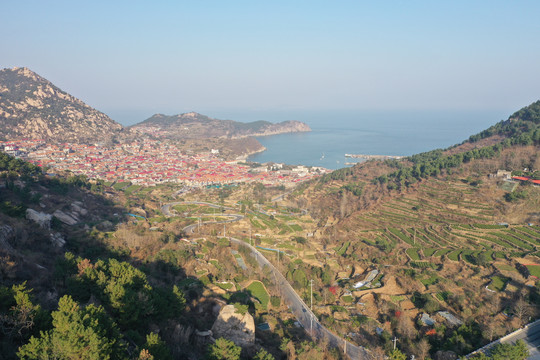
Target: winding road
(298, 307)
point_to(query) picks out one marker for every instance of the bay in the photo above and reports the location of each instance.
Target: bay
(403, 133)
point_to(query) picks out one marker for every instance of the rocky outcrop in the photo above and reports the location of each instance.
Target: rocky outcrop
(72, 217)
(41, 218)
(234, 326)
(57, 239)
(77, 207)
(32, 107)
(44, 222)
(68, 219)
(6, 232)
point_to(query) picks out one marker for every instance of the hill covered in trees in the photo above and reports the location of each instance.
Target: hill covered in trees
(196, 126)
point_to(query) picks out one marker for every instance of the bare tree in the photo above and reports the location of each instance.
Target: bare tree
(495, 303)
(522, 310)
(489, 327)
(423, 349)
(406, 327)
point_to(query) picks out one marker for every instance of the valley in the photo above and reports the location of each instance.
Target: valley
(169, 246)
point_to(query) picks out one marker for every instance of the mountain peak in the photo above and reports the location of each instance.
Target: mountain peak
(32, 107)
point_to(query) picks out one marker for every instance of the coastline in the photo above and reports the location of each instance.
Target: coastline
(245, 156)
(270, 133)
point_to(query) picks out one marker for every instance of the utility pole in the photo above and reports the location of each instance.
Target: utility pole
(395, 341)
(224, 234)
(311, 286)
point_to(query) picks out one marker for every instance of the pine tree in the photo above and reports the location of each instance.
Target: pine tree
(224, 349)
(86, 334)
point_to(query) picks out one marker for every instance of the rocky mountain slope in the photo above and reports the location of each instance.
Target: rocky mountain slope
(196, 126)
(32, 107)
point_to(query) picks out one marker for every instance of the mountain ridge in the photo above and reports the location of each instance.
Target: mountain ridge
(33, 107)
(195, 125)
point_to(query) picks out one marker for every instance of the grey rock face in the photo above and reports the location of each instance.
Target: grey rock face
(233, 326)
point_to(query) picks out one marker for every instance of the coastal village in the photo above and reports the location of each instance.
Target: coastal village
(150, 162)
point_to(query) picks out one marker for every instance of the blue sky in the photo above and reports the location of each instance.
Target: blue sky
(135, 58)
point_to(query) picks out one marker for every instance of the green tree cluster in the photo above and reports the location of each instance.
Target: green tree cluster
(523, 128)
(19, 317)
(12, 167)
(123, 289)
(77, 333)
(223, 349)
(517, 351)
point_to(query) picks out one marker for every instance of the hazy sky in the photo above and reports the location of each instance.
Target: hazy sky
(141, 57)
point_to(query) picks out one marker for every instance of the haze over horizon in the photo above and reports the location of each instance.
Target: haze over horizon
(130, 60)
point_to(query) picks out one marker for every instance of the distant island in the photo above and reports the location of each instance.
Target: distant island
(193, 125)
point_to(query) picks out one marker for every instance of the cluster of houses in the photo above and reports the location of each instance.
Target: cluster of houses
(507, 175)
(150, 162)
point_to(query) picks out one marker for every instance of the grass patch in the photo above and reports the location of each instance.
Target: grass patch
(504, 267)
(131, 189)
(430, 280)
(442, 296)
(343, 249)
(256, 289)
(442, 252)
(413, 253)
(498, 283)
(257, 224)
(423, 264)
(428, 251)
(454, 255)
(400, 235)
(225, 286)
(121, 185)
(534, 270)
(223, 242)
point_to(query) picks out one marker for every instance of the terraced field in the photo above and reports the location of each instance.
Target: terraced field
(446, 219)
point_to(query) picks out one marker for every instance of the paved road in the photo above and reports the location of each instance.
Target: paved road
(302, 312)
(530, 334)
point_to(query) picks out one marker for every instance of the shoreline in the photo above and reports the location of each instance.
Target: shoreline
(244, 157)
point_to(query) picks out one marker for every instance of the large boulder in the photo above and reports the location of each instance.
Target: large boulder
(41, 218)
(68, 219)
(234, 326)
(57, 239)
(77, 207)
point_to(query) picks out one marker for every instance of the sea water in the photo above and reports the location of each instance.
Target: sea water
(401, 133)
